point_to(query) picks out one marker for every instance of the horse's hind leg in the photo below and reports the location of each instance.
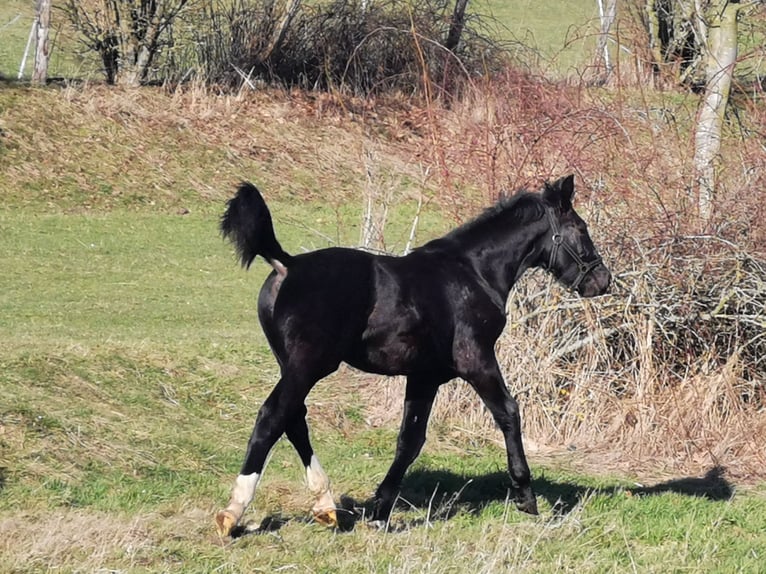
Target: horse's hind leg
(419, 398)
(324, 510)
(283, 411)
(269, 426)
(277, 414)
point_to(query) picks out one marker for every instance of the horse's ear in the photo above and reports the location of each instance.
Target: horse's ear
(560, 193)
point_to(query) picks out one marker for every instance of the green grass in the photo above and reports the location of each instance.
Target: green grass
(131, 369)
(561, 33)
(85, 278)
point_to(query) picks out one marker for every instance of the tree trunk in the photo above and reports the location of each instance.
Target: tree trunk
(140, 43)
(279, 33)
(655, 41)
(721, 57)
(607, 10)
(40, 73)
(136, 72)
(456, 25)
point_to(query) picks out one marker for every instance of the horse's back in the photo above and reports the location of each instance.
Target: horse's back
(382, 314)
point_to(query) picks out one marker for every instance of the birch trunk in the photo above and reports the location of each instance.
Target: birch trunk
(721, 57)
(40, 73)
(279, 34)
(607, 10)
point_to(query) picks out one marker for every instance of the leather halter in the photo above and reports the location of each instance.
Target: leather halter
(558, 241)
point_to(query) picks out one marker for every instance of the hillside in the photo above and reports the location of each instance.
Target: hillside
(132, 365)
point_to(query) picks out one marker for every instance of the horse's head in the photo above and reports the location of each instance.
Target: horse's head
(568, 252)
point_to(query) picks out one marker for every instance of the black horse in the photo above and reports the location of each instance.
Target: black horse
(432, 315)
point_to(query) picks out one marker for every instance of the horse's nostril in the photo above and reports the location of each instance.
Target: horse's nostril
(607, 279)
(597, 284)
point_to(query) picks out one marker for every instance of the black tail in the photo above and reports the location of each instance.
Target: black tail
(247, 224)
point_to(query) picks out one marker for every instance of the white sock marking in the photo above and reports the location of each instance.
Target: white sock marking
(316, 477)
(243, 492)
(319, 485)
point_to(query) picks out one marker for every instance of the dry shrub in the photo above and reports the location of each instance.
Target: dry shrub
(356, 46)
(669, 370)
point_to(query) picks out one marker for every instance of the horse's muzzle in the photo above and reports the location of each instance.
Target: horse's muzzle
(595, 283)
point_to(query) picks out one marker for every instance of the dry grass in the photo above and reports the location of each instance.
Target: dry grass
(667, 372)
(97, 538)
(152, 148)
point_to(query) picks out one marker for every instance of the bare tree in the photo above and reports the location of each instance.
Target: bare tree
(721, 36)
(42, 25)
(676, 32)
(456, 25)
(127, 34)
(607, 10)
(279, 34)
(694, 42)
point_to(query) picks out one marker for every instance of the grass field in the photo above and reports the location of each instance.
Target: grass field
(561, 33)
(132, 366)
(131, 370)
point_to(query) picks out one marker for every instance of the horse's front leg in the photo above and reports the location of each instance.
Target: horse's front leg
(485, 377)
(419, 398)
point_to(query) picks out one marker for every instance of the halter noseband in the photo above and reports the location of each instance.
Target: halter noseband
(558, 241)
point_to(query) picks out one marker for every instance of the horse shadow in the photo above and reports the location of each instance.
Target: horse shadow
(438, 495)
(472, 494)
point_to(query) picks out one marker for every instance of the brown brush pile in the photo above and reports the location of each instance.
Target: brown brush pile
(669, 370)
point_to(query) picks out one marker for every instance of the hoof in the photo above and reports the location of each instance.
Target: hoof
(326, 517)
(225, 523)
(527, 502)
(379, 525)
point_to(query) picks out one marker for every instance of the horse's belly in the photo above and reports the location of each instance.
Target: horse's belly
(397, 340)
(393, 359)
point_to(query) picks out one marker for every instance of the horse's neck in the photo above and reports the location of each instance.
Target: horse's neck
(503, 260)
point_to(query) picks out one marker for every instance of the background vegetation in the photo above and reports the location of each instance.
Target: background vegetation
(132, 366)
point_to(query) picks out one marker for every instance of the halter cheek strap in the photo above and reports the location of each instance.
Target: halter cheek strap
(558, 241)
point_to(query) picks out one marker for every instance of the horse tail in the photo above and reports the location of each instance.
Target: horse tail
(247, 224)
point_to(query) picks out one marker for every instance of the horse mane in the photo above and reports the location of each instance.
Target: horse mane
(516, 209)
